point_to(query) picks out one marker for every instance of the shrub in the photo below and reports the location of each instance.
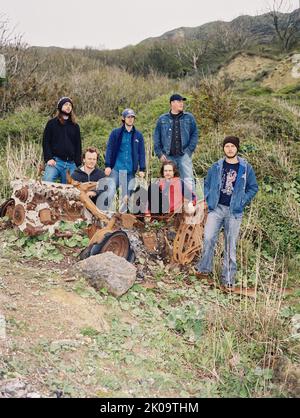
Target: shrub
(26, 124)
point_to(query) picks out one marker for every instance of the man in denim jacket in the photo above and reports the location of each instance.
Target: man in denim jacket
(230, 185)
(176, 137)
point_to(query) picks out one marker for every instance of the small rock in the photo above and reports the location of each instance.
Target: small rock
(12, 387)
(108, 271)
(296, 326)
(33, 395)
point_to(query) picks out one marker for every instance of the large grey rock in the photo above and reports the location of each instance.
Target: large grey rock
(108, 271)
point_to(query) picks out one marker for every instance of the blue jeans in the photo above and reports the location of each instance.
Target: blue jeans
(116, 179)
(221, 216)
(59, 170)
(185, 166)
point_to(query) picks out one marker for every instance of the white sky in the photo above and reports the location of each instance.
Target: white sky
(117, 23)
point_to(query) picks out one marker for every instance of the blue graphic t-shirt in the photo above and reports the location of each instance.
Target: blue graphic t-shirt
(229, 176)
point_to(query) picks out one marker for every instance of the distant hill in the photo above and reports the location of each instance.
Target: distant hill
(196, 51)
(257, 28)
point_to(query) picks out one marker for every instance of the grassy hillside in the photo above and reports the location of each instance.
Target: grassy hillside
(170, 335)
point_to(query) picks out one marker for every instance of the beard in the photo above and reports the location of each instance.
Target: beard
(231, 157)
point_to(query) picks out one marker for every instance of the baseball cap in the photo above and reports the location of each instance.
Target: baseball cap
(177, 97)
(128, 112)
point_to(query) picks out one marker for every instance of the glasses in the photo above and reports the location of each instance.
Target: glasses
(130, 117)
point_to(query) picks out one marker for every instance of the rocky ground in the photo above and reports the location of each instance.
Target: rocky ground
(59, 337)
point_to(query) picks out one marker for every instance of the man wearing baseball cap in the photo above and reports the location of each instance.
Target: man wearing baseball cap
(229, 186)
(61, 143)
(176, 137)
(124, 157)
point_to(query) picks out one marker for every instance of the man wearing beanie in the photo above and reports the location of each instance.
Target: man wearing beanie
(230, 185)
(61, 143)
(124, 157)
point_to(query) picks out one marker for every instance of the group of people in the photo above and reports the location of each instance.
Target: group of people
(229, 186)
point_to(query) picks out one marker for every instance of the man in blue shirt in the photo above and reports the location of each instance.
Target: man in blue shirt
(230, 185)
(125, 155)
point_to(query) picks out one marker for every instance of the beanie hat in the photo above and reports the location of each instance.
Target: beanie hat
(232, 140)
(62, 101)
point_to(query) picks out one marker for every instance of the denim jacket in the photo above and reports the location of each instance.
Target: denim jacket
(163, 134)
(244, 190)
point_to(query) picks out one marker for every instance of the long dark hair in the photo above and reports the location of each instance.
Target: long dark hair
(175, 169)
(60, 117)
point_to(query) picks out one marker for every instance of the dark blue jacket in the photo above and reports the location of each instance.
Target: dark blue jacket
(138, 149)
(83, 177)
(244, 190)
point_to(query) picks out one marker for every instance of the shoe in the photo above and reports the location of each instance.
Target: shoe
(244, 291)
(227, 288)
(237, 290)
(201, 275)
(205, 277)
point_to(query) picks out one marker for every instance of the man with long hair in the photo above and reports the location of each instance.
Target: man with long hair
(170, 194)
(61, 143)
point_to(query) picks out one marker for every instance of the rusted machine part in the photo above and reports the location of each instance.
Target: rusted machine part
(6, 209)
(91, 230)
(33, 231)
(22, 194)
(18, 215)
(45, 217)
(99, 235)
(92, 207)
(71, 212)
(189, 238)
(187, 243)
(150, 240)
(31, 206)
(83, 187)
(128, 220)
(116, 242)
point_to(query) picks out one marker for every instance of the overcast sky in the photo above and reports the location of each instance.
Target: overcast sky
(116, 23)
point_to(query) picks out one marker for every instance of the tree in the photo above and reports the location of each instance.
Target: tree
(286, 24)
(191, 53)
(21, 69)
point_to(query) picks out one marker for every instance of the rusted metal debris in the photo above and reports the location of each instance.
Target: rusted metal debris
(37, 207)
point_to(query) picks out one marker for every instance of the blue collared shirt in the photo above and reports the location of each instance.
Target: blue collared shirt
(124, 158)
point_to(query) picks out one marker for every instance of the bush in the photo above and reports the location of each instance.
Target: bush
(95, 132)
(23, 125)
(214, 104)
(276, 121)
